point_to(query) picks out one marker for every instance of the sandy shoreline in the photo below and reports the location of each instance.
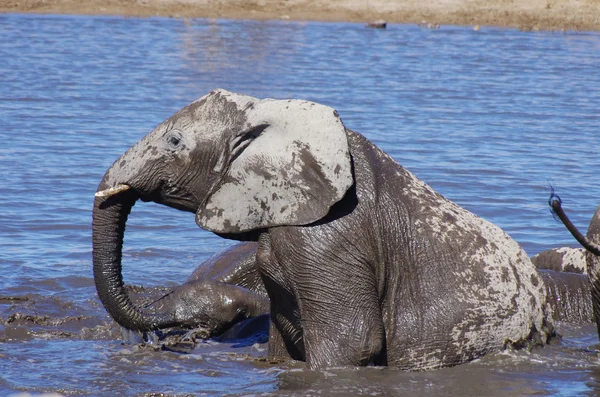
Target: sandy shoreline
(521, 14)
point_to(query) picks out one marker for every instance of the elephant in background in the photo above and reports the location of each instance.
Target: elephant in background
(568, 296)
(591, 243)
(562, 259)
(564, 270)
(363, 263)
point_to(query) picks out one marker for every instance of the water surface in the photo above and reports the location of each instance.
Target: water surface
(488, 118)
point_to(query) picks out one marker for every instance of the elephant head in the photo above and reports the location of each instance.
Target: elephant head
(242, 165)
(209, 307)
(591, 242)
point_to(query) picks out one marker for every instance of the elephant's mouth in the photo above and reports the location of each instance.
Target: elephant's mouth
(179, 198)
(122, 188)
(173, 196)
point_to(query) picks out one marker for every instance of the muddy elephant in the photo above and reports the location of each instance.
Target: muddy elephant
(568, 291)
(591, 243)
(363, 262)
(564, 270)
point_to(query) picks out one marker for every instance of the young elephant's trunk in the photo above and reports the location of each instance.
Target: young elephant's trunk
(108, 229)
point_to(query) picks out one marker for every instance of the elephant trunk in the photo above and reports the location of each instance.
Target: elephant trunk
(108, 228)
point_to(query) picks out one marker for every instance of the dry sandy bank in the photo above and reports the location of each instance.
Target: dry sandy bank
(522, 14)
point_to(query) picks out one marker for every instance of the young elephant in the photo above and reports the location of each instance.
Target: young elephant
(362, 262)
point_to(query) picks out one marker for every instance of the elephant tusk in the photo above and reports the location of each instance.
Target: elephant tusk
(111, 191)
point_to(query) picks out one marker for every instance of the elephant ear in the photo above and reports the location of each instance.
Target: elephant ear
(288, 167)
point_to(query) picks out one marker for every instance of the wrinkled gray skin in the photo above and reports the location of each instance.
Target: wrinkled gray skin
(591, 242)
(362, 262)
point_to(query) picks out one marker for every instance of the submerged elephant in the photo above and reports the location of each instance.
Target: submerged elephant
(221, 292)
(363, 262)
(591, 242)
(568, 293)
(224, 299)
(565, 272)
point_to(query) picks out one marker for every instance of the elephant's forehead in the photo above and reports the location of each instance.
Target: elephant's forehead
(241, 101)
(211, 114)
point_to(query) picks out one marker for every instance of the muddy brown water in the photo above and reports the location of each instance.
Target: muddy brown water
(488, 118)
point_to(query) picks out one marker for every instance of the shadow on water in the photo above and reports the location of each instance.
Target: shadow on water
(483, 117)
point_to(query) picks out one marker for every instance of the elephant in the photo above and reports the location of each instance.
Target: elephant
(591, 243)
(568, 296)
(363, 263)
(221, 299)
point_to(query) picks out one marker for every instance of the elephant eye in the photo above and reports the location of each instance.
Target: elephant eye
(174, 139)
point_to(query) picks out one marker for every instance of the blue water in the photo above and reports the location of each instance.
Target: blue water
(488, 118)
